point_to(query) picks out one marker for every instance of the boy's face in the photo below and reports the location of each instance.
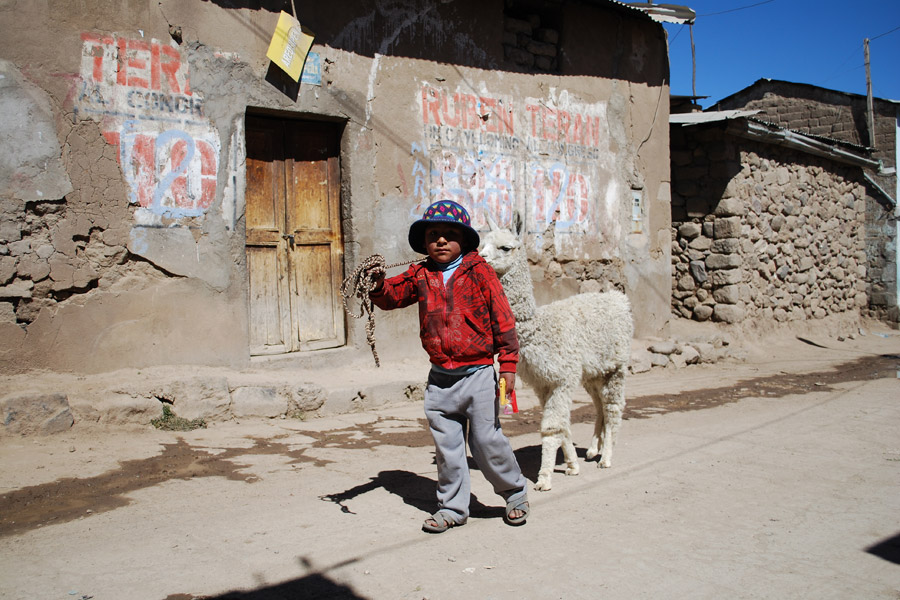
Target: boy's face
(443, 241)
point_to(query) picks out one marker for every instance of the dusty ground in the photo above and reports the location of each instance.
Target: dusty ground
(778, 476)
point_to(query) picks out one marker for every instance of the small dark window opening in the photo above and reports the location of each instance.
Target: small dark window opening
(531, 38)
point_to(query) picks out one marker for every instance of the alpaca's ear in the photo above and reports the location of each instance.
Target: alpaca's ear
(491, 222)
(517, 225)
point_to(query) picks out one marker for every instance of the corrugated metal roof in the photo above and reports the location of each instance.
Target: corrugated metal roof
(709, 116)
(659, 13)
(744, 125)
(621, 5)
(666, 13)
(821, 138)
(713, 116)
(817, 145)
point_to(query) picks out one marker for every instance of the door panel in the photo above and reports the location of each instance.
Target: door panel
(265, 177)
(269, 313)
(309, 206)
(315, 295)
(294, 244)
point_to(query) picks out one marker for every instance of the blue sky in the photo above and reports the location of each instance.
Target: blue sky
(819, 42)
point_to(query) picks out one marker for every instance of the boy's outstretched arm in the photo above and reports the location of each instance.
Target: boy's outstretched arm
(395, 292)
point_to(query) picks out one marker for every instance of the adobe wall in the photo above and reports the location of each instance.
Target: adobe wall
(821, 112)
(122, 232)
(761, 233)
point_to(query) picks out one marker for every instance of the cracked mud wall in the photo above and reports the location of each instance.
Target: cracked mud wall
(125, 264)
(134, 255)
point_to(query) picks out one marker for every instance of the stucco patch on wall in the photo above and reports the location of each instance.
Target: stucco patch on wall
(178, 252)
(235, 184)
(30, 165)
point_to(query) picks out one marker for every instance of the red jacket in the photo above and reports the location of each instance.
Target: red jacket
(464, 323)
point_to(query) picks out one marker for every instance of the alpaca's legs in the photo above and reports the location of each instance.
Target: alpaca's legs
(549, 445)
(613, 407)
(595, 389)
(556, 432)
(570, 456)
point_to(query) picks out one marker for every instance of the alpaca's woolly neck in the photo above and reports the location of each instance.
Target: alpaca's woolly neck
(520, 290)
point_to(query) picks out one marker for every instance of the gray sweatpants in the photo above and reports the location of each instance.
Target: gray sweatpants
(453, 405)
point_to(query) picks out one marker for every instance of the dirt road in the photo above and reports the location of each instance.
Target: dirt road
(778, 477)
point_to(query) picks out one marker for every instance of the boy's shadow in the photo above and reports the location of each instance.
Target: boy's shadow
(419, 492)
(413, 489)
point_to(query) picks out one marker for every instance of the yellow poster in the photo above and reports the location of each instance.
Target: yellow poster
(289, 46)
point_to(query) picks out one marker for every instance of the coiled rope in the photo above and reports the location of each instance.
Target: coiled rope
(358, 284)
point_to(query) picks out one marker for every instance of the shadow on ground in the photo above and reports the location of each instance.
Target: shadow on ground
(413, 489)
(888, 549)
(311, 587)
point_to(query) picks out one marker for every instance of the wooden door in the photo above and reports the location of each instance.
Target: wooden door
(294, 245)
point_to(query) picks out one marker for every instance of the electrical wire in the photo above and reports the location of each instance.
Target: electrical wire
(884, 34)
(840, 70)
(736, 9)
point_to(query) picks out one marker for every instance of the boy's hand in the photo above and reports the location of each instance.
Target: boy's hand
(510, 382)
(376, 274)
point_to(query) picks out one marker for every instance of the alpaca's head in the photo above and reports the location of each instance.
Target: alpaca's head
(501, 248)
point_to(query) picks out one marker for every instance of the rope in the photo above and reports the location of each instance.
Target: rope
(358, 284)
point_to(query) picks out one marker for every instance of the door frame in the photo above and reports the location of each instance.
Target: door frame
(287, 247)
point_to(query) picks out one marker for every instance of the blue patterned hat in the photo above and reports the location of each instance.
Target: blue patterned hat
(445, 211)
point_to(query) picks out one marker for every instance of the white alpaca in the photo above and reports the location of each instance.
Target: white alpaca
(584, 339)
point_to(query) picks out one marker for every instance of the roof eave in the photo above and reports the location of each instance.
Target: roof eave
(666, 13)
(784, 137)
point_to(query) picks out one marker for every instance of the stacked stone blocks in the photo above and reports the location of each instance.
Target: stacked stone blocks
(782, 239)
(843, 117)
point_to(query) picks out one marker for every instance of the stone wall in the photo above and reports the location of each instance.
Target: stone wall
(881, 257)
(841, 116)
(527, 44)
(761, 232)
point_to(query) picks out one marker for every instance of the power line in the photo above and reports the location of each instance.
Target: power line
(839, 71)
(736, 9)
(884, 34)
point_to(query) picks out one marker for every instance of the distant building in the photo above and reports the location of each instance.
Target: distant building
(807, 199)
(829, 114)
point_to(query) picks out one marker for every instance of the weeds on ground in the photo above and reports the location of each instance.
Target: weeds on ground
(169, 421)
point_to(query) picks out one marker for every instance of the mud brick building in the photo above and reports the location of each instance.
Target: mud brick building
(169, 196)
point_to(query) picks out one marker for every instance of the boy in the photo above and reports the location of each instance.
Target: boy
(464, 319)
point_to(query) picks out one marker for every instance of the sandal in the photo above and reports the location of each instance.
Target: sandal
(521, 505)
(439, 522)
